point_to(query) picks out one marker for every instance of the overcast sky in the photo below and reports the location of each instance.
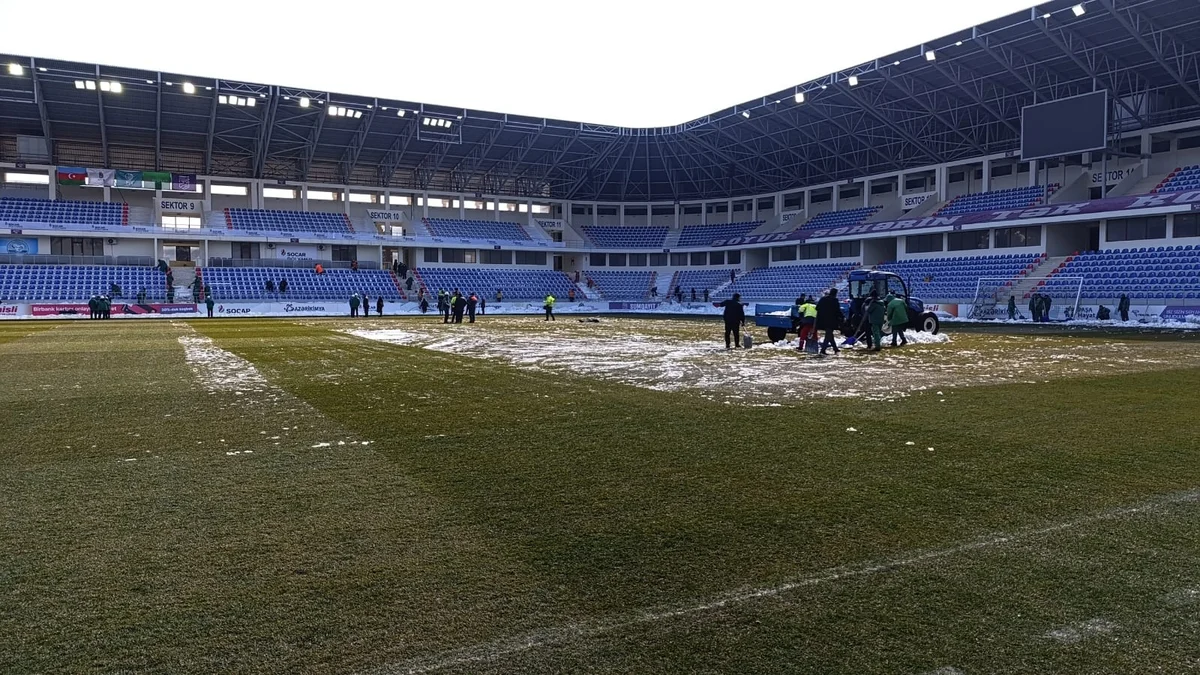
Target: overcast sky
(622, 62)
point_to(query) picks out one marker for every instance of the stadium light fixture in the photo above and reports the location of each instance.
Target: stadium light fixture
(400, 112)
(1046, 15)
(958, 44)
(853, 80)
(332, 110)
(189, 88)
(930, 55)
(110, 86)
(746, 114)
(15, 70)
(304, 101)
(223, 99)
(357, 114)
(799, 97)
(89, 85)
(1078, 10)
(250, 102)
(149, 81)
(79, 84)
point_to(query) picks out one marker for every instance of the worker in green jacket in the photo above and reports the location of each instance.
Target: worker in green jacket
(549, 307)
(897, 315)
(875, 313)
(209, 302)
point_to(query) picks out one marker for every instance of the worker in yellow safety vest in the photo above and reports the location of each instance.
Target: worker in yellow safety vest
(549, 307)
(808, 320)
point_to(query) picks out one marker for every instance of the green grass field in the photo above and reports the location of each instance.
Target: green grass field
(517, 497)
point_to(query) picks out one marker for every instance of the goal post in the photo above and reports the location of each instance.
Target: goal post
(992, 294)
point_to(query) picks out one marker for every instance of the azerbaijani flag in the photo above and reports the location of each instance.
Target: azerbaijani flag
(72, 175)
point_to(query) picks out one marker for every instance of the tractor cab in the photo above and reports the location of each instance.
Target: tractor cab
(862, 282)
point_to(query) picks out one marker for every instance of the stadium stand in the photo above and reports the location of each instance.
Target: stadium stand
(614, 285)
(605, 236)
(958, 278)
(516, 284)
(475, 229)
(703, 235)
(710, 279)
(785, 282)
(249, 283)
(1169, 273)
(77, 283)
(65, 212)
(1182, 178)
(288, 221)
(998, 200)
(844, 218)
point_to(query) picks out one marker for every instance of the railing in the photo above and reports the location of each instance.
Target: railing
(292, 264)
(41, 259)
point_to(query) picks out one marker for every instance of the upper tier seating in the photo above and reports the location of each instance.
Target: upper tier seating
(475, 229)
(1183, 178)
(620, 285)
(703, 235)
(1163, 273)
(64, 212)
(846, 218)
(288, 221)
(606, 236)
(998, 200)
(77, 283)
(249, 283)
(958, 278)
(786, 282)
(701, 280)
(516, 284)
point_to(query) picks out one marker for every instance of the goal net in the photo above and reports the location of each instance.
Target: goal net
(992, 294)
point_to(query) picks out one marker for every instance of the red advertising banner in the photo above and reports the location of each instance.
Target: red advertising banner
(77, 309)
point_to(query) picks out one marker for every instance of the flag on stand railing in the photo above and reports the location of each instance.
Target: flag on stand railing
(101, 177)
(183, 182)
(72, 175)
(159, 178)
(129, 179)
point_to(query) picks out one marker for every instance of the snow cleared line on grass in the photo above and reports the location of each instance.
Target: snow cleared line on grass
(1082, 631)
(495, 650)
(221, 370)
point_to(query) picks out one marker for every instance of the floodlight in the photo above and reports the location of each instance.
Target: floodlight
(426, 121)
(167, 83)
(304, 101)
(91, 86)
(149, 81)
(332, 110)
(896, 63)
(1046, 15)
(799, 97)
(357, 114)
(208, 89)
(223, 99)
(1078, 10)
(189, 88)
(746, 114)
(117, 88)
(853, 80)
(104, 85)
(250, 102)
(41, 69)
(342, 112)
(930, 55)
(958, 44)
(79, 84)
(400, 112)
(15, 69)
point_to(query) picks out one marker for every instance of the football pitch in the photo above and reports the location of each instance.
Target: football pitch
(385, 496)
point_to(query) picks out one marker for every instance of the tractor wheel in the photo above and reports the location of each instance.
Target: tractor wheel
(930, 323)
(775, 334)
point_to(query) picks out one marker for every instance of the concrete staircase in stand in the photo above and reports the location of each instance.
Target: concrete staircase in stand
(1032, 279)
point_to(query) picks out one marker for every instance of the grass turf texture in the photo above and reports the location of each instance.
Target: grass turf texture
(497, 503)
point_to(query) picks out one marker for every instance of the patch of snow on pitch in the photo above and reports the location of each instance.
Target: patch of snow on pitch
(220, 370)
(1082, 631)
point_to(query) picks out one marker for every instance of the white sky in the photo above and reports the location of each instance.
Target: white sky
(621, 62)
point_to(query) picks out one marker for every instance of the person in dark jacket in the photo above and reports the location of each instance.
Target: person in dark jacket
(94, 307)
(482, 305)
(1123, 307)
(283, 286)
(460, 306)
(829, 319)
(735, 318)
(209, 302)
(424, 304)
(366, 305)
(472, 303)
(1035, 307)
(679, 294)
(1046, 302)
(447, 307)
(379, 306)
(1012, 307)
(706, 296)
(270, 285)
(693, 295)
(354, 303)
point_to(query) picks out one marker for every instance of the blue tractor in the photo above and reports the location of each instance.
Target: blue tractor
(777, 319)
(862, 282)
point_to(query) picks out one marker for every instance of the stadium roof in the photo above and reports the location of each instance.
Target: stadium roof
(951, 99)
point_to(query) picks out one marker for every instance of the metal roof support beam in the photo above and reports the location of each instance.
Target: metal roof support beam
(1086, 67)
(613, 164)
(584, 173)
(264, 134)
(41, 106)
(907, 91)
(103, 129)
(702, 163)
(475, 157)
(354, 149)
(706, 159)
(757, 153)
(212, 128)
(892, 161)
(391, 160)
(158, 125)
(1133, 27)
(425, 174)
(916, 143)
(757, 124)
(952, 75)
(834, 154)
(515, 157)
(668, 168)
(556, 155)
(314, 138)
